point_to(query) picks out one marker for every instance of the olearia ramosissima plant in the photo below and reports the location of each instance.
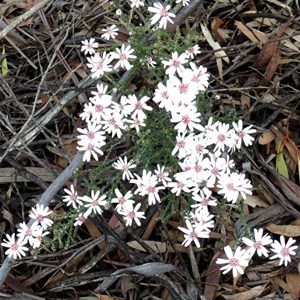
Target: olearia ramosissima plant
(201, 151)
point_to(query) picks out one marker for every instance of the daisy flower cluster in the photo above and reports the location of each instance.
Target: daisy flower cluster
(238, 260)
(17, 245)
(97, 202)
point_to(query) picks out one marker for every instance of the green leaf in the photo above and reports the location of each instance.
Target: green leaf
(280, 162)
(4, 67)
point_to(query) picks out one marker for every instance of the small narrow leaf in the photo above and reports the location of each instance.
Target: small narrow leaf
(280, 162)
(4, 67)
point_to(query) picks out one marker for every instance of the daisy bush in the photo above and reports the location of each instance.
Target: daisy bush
(167, 150)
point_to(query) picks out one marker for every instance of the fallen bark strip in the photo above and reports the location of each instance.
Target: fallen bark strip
(9, 175)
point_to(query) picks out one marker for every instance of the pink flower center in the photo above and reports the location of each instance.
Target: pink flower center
(100, 65)
(175, 63)
(180, 144)
(234, 262)
(29, 232)
(151, 189)
(215, 171)
(112, 121)
(180, 185)
(186, 119)
(221, 137)
(15, 247)
(230, 186)
(122, 56)
(90, 147)
(165, 95)
(195, 79)
(125, 168)
(161, 176)
(73, 198)
(98, 108)
(193, 235)
(285, 252)
(198, 168)
(204, 202)
(81, 219)
(91, 135)
(199, 148)
(95, 203)
(40, 218)
(164, 12)
(240, 133)
(131, 215)
(257, 245)
(183, 88)
(138, 106)
(122, 200)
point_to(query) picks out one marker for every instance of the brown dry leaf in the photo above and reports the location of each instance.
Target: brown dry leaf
(247, 295)
(267, 98)
(271, 68)
(258, 22)
(215, 45)
(282, 284)
(220, 67)
(253, 35)
(266, 137)
(288, 143)
(161, 247)
(255, 201)
(290, 45)
(212, 278)
(94, 232)
(296, 222)
(215, 27)
(291, 31)
(293, 280)
(286, 230)
(245, 102)
(151, 225)
(265, 55)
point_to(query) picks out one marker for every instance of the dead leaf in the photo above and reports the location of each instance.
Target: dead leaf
(215, 27)
(285, 230)
(255, 201)
(212, 278)
(271, 68)
(215, 45)
(245, 102)
(282, 284)
(266, 137)
(252, 34)
(250, 294)
(161, 247)
(290, 45)
(293, 280)
(94, 232)
(267, 98)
